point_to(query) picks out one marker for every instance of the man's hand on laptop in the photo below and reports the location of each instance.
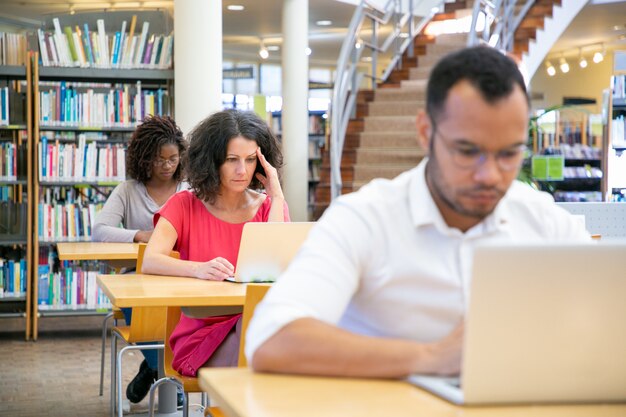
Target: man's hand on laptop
(444, 356)
(217, 269)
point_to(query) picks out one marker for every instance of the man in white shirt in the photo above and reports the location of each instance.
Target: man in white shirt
(380, 287)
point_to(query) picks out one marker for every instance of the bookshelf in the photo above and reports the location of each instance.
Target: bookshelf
(317, 141)
(572, 138)
(617, 138)
(83, 119)
(15, 180)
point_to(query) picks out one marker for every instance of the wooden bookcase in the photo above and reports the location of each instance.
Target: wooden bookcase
(63, 134)
(16, 222)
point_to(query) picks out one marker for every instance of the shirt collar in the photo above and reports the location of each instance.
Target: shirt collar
(425, 212)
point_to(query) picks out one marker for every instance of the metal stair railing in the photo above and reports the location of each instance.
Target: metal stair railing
(497, 21)
(404, 25)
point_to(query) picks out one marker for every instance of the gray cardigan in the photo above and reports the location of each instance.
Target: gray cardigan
(128, 209)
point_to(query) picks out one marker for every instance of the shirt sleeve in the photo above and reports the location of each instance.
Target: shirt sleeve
(322, 279)
(108, 223)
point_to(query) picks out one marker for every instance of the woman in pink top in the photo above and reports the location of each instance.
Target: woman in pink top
(231, 154)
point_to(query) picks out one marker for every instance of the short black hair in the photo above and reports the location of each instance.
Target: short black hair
(146, 142)
(487, 69)
(208, 142)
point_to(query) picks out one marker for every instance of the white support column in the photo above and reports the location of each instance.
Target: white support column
(197, 60)
(295, 114)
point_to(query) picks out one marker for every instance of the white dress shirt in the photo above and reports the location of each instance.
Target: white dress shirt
(383, 262)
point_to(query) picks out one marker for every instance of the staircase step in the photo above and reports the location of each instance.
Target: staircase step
(402, 140)
(390, 123)
(459, 39)
(404, 94)
(389, 156)
(412, 83)
(405, 108)
(369, 172)
(420, 73)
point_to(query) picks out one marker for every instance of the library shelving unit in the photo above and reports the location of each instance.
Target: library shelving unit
(15, 192)
(576, 137)
(317, 139)
(617, 138)
(83, 119)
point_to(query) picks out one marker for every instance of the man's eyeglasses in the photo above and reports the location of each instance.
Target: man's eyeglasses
(468, 156)
(160, 162)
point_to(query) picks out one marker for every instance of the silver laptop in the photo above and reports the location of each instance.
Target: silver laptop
(267, 248)
(545, 324)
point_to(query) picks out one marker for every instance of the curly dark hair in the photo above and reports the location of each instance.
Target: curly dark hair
(208, 142)
(146, 142)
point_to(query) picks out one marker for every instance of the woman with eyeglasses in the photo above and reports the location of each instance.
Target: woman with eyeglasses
(153, 166)
(232, 167)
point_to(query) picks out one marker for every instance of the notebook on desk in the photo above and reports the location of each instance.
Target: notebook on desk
(267, 248)
(545, 324)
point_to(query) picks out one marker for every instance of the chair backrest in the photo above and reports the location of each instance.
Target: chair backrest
(148, 323)
(254, 295)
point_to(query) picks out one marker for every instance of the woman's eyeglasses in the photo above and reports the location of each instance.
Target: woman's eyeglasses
(160, 162)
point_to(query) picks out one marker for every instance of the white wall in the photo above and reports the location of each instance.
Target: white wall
(578, 82)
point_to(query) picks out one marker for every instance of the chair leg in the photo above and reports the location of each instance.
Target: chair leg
(104, 340)
(185, 404)
(118, 374)
(155, 386)
(113, 370)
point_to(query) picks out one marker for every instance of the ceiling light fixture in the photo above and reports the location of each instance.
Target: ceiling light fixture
(273, 48)
(324, 22)
(550, 69)
(582, 62)
(308, 51)
(235, 7)
(599, 56)
(263, 52)
(563, 65)
(72, 11)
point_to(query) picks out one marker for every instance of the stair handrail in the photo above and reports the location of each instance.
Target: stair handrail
(497, 22)
(348, 78)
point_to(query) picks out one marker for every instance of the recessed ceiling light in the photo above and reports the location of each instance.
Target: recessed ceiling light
(619, 27)
(235, 7)
(273, 47)
(324, 23)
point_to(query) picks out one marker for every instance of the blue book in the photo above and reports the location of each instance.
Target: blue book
(44, 157)
(62, 101)
(87, 42)
(11, 275)
(116, 48)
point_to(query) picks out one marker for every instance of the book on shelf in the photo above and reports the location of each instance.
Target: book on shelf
(95, 48)
(13, 47)
(13, 274)
(67, 216)
(68, 285)
(93, 105)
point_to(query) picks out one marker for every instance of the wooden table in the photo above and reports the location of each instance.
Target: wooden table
(207, 297)
(143, 290)
(241, 393)
(118, 255)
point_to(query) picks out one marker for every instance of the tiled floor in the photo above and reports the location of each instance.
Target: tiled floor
(59, 374)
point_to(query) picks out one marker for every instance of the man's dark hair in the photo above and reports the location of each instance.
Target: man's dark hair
(485, 68)
(146, 142)
(208, 142)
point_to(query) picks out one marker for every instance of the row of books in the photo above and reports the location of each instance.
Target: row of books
(586, 171)
(95, 48)
(82, 161)
(69, 285)
(578, 196)
(62, 194)
(618, 127)
(317, 124)
(8, 160)
(123, 105)
(9, 193)
(66, 222)
(13, 278)
(12, 106)
(13, 220)
(12, 49)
